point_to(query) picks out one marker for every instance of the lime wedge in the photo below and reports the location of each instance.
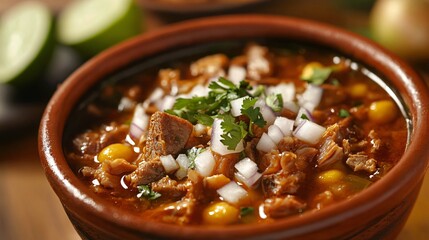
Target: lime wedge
(91, 26)
(26, 42)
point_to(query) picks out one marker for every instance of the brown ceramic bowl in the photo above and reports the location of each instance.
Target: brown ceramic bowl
(377, 212)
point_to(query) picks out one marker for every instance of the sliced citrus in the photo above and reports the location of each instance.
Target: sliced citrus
(91, 26)
(26, 42)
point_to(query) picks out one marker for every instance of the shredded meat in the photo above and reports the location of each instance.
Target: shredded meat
(118, 166)
(286, 172)
(277, 207)
(225, 164)
(330, 152)
(259, 62)
(360, 162)
(169, 188)
(211, 65)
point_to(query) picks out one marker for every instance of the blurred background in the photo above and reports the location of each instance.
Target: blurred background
(41, 43)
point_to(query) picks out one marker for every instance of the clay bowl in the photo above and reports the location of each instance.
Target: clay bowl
(377, 212)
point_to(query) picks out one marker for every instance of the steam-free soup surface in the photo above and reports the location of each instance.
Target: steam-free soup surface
(235, 137)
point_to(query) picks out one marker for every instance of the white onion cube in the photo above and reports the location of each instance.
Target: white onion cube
(311, 97)
(291, 106)
(303, 114)
(309, 132)
(232, 192)
(183, 161)
(236, 74)
(266, 112)
(246, 167)
(236, 106)
(216, 140)
(285, 125)
(287, 90)
(181, 173)
(265, 144)
(169, 164)
(204, 163)
(249, 182)
(275, 133)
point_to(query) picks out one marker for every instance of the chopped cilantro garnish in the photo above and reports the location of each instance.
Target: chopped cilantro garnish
(244, 211)
(305, 117)
(233, 132)
(343, 113)
(253, 113)
(216, 102)
(275, 101)
(192, 154)
(319, 75)
(146, 192)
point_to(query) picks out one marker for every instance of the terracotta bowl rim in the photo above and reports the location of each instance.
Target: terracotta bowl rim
(81, 201)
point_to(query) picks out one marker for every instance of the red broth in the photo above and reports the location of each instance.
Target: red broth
(255, 134)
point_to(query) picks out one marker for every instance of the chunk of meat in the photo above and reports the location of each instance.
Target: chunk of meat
(375, 141)
(259, 62)
(281, 183)
(278, 207)
(210, 65)
(179, 212)
(168, 79)
(167, 134)
(105, 179)
(361, 162)
(169, 188)
(329, 152)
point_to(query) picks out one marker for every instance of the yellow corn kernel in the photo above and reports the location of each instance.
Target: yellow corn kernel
(115, 151)
(329, 177)
(382, 111)
(220, 213)
(358, 90)
(216, 181)
(308, 70)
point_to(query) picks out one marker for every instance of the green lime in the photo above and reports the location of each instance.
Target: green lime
(91, 26)
(26, 42)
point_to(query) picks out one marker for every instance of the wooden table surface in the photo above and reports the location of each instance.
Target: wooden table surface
(29, 209)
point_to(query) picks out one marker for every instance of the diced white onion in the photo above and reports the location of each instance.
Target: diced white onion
(291, 106)
(232, 192)
(204, 163)
(246, 167)
(311, 97)
(199, 91)
(267, 113)
(200, 129)
(265, 144)
(168, 102)
(249, 182)
(236, 74)
(300, 116)
(236, 106)
(183, 162)
(309, 132)
(275, 133)
(156, 95)
(126, 104)
(287, 90)
(139, 123)
(216, 143)
(285, 125)
(170, 165)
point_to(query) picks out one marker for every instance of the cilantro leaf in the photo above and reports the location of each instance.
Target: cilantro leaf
(275, 102)
(146, 192)
(343, 113)
(233, 132)
(204, 119)
(244, 211)
(253, 113)
(304, 116)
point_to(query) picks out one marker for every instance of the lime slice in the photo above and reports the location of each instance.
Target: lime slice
(26, 42)
(91, 26)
